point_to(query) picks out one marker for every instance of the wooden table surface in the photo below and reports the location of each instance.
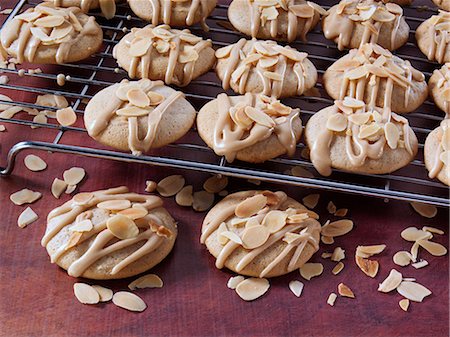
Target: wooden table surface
(37, 297)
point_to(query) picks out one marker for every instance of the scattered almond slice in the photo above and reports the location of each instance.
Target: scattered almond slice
(170, 185)
(202, 201)
(391, 282)
(341, 212)
(252, 288)
(34, 163)
(311, 200)
(338, 254)
(413, 291)
(85, 293)
(129, 301)
(122, 227)
(310, 270)
(83, 198)
(415, 234)
(2, 128)
(402, 258)
(368, 267)
(70, 189)
(146, 281)
(345, 291)
(434, 248)
(404, 304)
(115, 205)
(414, 252)
(327, 240)
(150, 186)
(24, 196)
(326, 255)
(331, 299)
(27, 217)
(215, 184)
(425, 210)
(420, 264)
(337, 228)
(433, 230)
(338, 268)
(74, 175)
(331, 207)
(82, 226)
(250, 206)
(185, 197)
(105, 294)
(234, 281)
(368, 251)
(66, 116)
(296, 287)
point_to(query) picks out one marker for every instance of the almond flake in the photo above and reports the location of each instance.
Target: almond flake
(122, 227)
(134, 213)
(392, 135)
(70, 189)
(368, 251)
(367, 131)
(433, 230)
(326, 255)
(146, 281)
(345, 291)
(331, 207)
(66, 116)
(170, 185)
(224, 52)
(40, 34)
(35, 163)
(272, 76)
(74, 175)
(338, 254)
(252, 288)
(254, 236)
(185, 196)
(234, 281)
(259, 117)
(83, 198)
(82, 226)
(27, 217)
(337, 228)
(215, 184)
(202, 201)
(138, 98)
(274, 220)
(368, 267)
(129, 301)
(338, 268)
(311, 200)
(58, 187)
(415, 234)
(85, 293)
(434, 248)
(414, 251)
(310, 270)
(413, 291)
(331, 299)
(353, 103)
(296, 287)
(132, 111)
(155, 98)
(420, 264)
(337, 122)
(188, 55)
(49, 21)
(404, 304)
(359, 118)
(225, 234)
(150, 186)
(328, 240)
(341, 212)
(425, 210)
(115, 205)
(391, 282)
(402, 258)
(250, 206)
(24, 196)
(105, 294)
(140, 47)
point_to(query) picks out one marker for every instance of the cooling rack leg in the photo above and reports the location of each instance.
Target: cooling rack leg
(12, 154)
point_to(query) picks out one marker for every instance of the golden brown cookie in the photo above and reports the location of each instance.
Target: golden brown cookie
(108, 7)
(352, 23)
(253, 128)
(138, 116)
(284, 20)
(433, 36)
(351, 137)
(439, 87)
(173, 12)
(437, 153)
(109, 234)
(51, 35)
(265, 67)
(161, 53)
(443, 4)
(373, 75)
(260, 233)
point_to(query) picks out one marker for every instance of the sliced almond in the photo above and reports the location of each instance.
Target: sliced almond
(259, 117)
(391, 282)
(115, 205)
(49, 21)
(359, 118)
(331, 299)
(185, 197)
(272, 76)
(138, 98)
(82, 226)
(325, 255)
(328, 240)
(139, 47)
(345, 291)
(250, 206)
(311, 200)
(74, 175)
(368, 131)
(24, 196)
(83, 198)
(40, 34)
(296, 287)
(129, 301)
(331, 207)
(414, 251)
(155, 98)
(368, 267)
(224, 52)
(338, 254)
(27, 217)
(368, 251)
(170, 185)
(420, 264)
(202, 201)
(337, 122)
(415, 234)
(274, 220)
(425, 210)
(337, 228)
(254, 236)
(215, 184)
(413, 291)
(134, 212)
(404, 304)
(310, 270)
(122, 227)
(402, 258)
(433, 230)
(58, 187)
(338, 268)
(66, 116)
(231, 236)
(132, 111)
(252, 288)
(73, 240)
(188, 55)
(85, 293)
(234, 281)
(146, 281)
(105, 294)
(150, 186)
(35, 163)
(434, 248)
(392, 135)
(223, 240)
(341, 212)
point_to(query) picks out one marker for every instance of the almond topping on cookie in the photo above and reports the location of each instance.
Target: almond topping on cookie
(338, 268)
(115, 205)
(140, 47)
(74, 175)
(155, 98)
(24, 196)
(337, 228)
(66, 116)
(34, 163)
(49, 21)
(132, 111)
(255, 236)
(259, 117)
(274, 220)
(391, 282)
(138, 98)
(170, 185)
(310, 270)
(425, 210)
(122, 227)
(223, 240)
(27, 217)
(85, 293)
(215, 184)
(105, 294)
(252, 288)
(337, 122)
(202, 201)
(146, 281)
(185, 196)
(230, 236)
(392, 135)
(413, 291)
(296, 287)
(82, 226)
(345, 291)
(129, 301)
(250, 206)
(188, 55)
(83, 198)
(134, 212)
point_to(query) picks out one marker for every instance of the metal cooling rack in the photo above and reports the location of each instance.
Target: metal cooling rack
(87, 78)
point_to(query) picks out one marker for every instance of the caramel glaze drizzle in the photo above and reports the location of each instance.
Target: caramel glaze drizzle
(438, 164)
(28, 44)
(228, 136)
(227, 214)
(85, 6)
(340, 26)
(105, 242)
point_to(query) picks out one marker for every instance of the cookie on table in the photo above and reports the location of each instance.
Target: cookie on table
(284, 20)
(374, 75)
(353, 137)
(161, 53)
(353, 23)
(265, 67)
(173, 12)
(439, 86)
(437, 153)
(252, 128)
(433, 36)
(109, 234)
(51, 35)
(108, 7)
(260, 233)
(138, 116)
(443, 4)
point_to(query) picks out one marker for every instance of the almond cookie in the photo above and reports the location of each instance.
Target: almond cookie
(437, 153)
(138, 116)
(443, 4)
(352, 23)
(108, 7)
(439, 86)
(265, 67)
(109, 234)
(252, 128)
(284, 20)
(51, 35)
(161, 53)
(176, 13)
(352, 137)
(373, 75)
(260, 233)
(433, 37)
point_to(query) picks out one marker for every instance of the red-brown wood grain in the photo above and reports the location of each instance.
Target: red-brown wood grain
(36, 297)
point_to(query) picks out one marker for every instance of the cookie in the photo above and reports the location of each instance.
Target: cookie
(107, 7)
(373, 75)
(109, 234)
(265, 67)
(138, 116)
(252, 128)
(353, 23)
(437, 153)
(172, 12)
(432, 37)
(260, 233)
(48, 35)
(439, 87)
(284, 20)
(161, 53)
(443, 4)
(352, 137)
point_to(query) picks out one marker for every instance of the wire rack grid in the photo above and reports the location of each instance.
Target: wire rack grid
(85, 79)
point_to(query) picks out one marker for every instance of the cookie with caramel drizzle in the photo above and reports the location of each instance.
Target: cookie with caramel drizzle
(439, 86)
(107, 7)
(109, 234)
(443, 4)
(437, 153)
(260, 233)
(433, 37)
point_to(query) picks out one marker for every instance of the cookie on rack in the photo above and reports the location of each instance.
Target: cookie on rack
(107, 7)
(138, 116)
(439, 87)
(265, 67)
(433, 37)
(374, 75)
(443, 4)
(260, 233)
(46, 34)
(283, 20)
(175, 13)
(361, 139)
(161, 53)
(437, 153)
(352, 23)
(252, 128)
(109, 234)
